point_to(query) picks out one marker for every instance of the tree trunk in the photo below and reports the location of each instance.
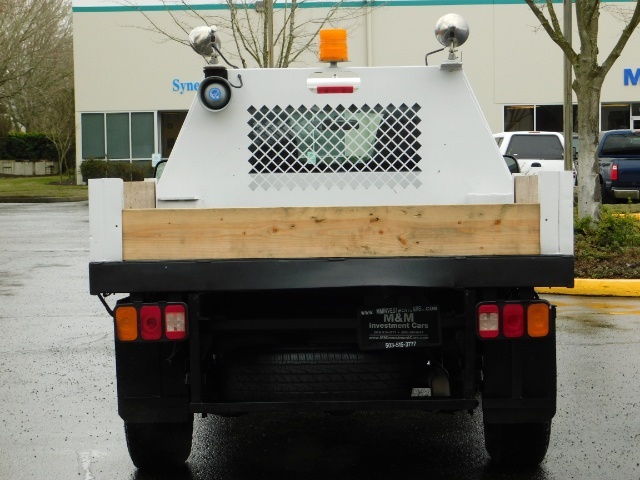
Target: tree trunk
(589, 194)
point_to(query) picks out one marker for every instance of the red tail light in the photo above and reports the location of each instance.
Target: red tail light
(513, 320)
(614, 171)
(507, 320)
(150, 322)
(175, 318)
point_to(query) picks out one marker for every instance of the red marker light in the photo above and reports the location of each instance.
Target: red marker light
(513, 320)
(150, 322)
(336, 89)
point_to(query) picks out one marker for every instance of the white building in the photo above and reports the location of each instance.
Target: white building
(133, 87)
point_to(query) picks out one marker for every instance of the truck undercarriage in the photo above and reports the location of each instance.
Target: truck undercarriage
(252, 345)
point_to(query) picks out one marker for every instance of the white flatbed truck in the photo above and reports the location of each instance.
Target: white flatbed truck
(335, 240)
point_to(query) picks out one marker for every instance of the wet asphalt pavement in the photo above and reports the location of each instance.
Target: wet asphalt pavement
(58, 415)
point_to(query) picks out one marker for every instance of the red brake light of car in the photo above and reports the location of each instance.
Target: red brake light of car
(513, 320)
(614, 172)
(150, 322)
(488, 321)
(175, 316)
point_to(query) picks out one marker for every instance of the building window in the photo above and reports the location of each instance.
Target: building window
(549, 118)
(92, 135)
(118, 142)
(142, 135)
(518, 118)
(545, 118)
(614, 116)
(118, 135)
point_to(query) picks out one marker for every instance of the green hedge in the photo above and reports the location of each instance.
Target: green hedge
(127, 171)
(27, 146)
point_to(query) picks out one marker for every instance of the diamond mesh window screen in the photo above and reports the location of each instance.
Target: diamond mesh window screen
(350, 141)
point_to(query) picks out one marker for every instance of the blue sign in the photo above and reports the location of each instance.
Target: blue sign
(631, 77)
(182, 87)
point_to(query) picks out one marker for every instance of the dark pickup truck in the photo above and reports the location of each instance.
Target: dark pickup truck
(619, 159)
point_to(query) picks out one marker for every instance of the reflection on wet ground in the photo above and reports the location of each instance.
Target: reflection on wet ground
(59, 412)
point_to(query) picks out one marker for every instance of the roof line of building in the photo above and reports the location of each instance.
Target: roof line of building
(219, 5)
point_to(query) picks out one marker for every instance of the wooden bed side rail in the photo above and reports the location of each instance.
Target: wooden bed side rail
(325, 232)
(135, 232)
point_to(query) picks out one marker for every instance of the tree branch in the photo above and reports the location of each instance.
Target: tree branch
(554, 32)
(622, 41)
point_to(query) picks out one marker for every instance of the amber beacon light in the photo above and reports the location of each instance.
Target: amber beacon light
(333, 45)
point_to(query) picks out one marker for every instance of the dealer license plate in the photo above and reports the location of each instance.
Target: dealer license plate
(399, 327)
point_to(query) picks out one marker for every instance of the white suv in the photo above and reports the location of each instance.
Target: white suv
(534, 151)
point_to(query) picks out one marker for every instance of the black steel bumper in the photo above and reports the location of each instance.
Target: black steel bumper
(269, 274)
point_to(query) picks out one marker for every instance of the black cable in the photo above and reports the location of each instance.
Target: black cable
(220, 53)
(106, 306)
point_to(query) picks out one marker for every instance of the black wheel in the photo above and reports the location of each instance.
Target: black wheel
(607, 198)
(313, 375)
(156, 446)
(517, 444)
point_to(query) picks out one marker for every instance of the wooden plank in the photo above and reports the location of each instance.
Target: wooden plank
(236, 233)
(139, 195)
(526, 188)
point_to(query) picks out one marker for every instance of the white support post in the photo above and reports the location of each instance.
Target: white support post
(566, 213)
(555, 192)
(106, 200)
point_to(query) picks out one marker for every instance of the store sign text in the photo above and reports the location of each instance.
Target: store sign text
(631, 77)
(182, 87)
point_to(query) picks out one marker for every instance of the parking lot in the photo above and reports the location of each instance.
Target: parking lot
(59, 414)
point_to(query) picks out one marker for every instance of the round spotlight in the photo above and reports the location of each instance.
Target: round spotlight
(452, 30)
(214, 93)
(200, 39)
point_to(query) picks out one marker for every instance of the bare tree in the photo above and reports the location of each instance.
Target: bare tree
(257, 26)
(587, 85)
(59, 124)
(32, 32)
(36, 70)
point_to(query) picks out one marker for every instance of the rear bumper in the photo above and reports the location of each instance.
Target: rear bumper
(261, 274)
(428, 404)
(494, 410)
(633, 194)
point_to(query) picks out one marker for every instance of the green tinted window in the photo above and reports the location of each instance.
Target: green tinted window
(118, 135)
(141, 135)
(92, 135)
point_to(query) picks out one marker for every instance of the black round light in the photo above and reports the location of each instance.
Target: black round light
(214, 93)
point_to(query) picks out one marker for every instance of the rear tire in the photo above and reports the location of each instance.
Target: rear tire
(607, 198)
(517, 444)
(159, 446)
(317, 375)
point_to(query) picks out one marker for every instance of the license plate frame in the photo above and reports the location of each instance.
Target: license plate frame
(385, 328)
